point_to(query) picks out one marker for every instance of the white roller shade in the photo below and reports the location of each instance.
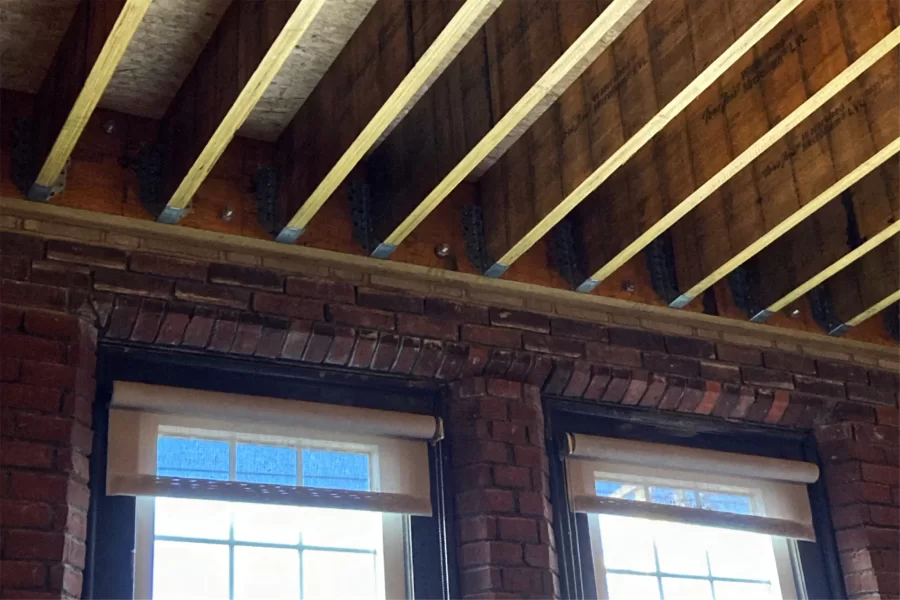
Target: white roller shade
(776, 487)
(397, 444)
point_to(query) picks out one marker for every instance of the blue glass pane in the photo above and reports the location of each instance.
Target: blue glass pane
(336, 470)
(732, 503)
(673, 496)
(617, 489)
(608, 488)
(266, 464)
(199, 459)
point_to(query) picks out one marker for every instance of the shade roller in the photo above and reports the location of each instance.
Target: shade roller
(689, 485)
(194, 444)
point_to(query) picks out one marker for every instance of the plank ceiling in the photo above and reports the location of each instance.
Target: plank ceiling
(703, 144)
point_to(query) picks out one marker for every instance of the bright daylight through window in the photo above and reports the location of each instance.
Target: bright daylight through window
(246, 497)
(672, 523)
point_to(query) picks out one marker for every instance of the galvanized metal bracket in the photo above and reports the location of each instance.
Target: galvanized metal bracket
(660, 257)
(744, 285)
(476, 246)
(265, 188)
(360, 197)
(563, 254)
(822, 310)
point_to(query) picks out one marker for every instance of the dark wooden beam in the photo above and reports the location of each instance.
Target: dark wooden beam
(85, 62)
(392, 59)
(640, 117)
(251, 42)
(841, 232)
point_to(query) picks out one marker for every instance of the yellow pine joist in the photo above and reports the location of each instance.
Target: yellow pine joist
(595, 39)
(874, 310)
(656, 124)
(108, 59)
(810, 106)
(468, 19)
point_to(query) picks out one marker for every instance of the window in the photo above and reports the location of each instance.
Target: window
(667, 522)
(265, 506)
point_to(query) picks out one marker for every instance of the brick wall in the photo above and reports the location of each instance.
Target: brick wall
(57, 296)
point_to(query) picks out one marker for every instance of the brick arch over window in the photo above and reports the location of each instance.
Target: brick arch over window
(59, 298)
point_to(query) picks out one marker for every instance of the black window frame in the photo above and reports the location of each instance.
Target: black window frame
(110, 559)
(819, 562)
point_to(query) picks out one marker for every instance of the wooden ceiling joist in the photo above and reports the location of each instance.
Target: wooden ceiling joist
(337, 158)
(546, 212)
(85, 61)
(839, 234)
(245, 53)
(601, 33)
(767, 141)
(870, 312)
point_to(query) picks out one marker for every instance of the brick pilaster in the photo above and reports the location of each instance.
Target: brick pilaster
(860, 457)
(506, 546)
(46, 390)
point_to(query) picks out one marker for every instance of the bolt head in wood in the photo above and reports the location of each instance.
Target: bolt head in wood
(442, 250)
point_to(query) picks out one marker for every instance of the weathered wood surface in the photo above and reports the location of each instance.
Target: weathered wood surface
(837, 234)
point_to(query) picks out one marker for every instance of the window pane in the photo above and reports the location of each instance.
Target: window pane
(192, 518)
(334, 528)
(266, 464)
(330, 575)
(617, 489)
(199, 459)
(185, 570)
(632, 587)
(627, 543)
(733, 503)
(267, 523)
(681, 549)
(266, 573)
(673, 496)
(686, 589)
(337, 470)
(729, 590)
(741, 555)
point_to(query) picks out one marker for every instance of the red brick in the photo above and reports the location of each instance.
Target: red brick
(321, 336)
(504, 431)
(728, 401)
(558, 346)
(199, 329)
(691, 347)
(597, 387)
(887, 416)
(168, 266)
(84, 254)
(31, 397)
(852, 411)
(540, 370)
(856, 491)
(247, 336)
(516, 529)
(18, 244)
(190, 291)
(876, 434)
(579, 329)
(427, 327)
(678, 396)
(635, 338)
(19, 575)
(341, 346)
(504, 388)
(838, 451)
(25, 514)
(448, 309)
(615, 355)
(480, 452)
(223, 335)
(710, 399)
(485, 500)
(53, 429)
(767, 377)
(779, 406)
(43, 545)
(888, 516)
(518, 319)
(540, 555)
(739, 354)
(881, 474)
(26, 454)
(407, 355)
(842, 371)
(507, 476)
(122, 319)
(859, 583)
(52, 325)
(534, 503)
(853, 515)
(490, 553)
(252, 277)
(667, 363)
(296, 339)
(492, 336)
(386, 353)
(73, 463)
(333, 291)
(720, 371)
(455, 356)
(637, 387)
(10, 369)
(60, 274)
(355, 316)
(820, 387)
(390, 301)
(618, 386)
(121, 282)
(298, 308)
(33, 295)
(10, 318)
(480, 579)
(472, 477)
(66, 579)
(529, 456)
(71, 520)
(885, 379)
(866, 393)
(477, 528)
(149, 318)
(430, 359)
(46, 487)
(173, 327)
(530, 581)
(364, 351)
(13, 267)
(785, 361)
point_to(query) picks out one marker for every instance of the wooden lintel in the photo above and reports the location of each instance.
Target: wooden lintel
(245, 53)
(387, 26)
(87, 57)
(549, 212)
(745, 158)
(792, 221)
(551, 84)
